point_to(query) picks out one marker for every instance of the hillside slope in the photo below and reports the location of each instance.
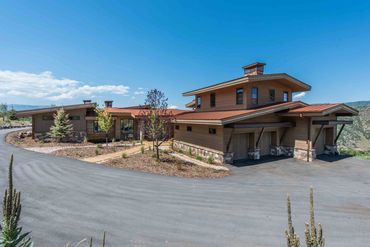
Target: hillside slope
(357, 136)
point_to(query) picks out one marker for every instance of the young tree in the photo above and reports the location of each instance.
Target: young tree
(3, 110)
(105, 122)
(157, 118)
(11, 233)
(62, 127)
(12, 114)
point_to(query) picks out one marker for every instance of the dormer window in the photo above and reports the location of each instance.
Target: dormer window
(254, 96)
(286, 96)
(198, 102)
(239, 96)
(212, 100)
(272, 95)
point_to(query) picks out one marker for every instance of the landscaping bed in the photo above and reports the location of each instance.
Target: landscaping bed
(168, 165)
(86, 152)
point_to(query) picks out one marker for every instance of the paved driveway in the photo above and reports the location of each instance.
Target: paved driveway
(66, 200)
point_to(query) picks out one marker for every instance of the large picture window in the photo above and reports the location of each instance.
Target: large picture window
(272, 95)
(96, 127)
(239, 96)
(198, 102)
(127, 125)
(254, 96)
(286, 96)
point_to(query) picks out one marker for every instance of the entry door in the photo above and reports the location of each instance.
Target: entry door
(240, 146)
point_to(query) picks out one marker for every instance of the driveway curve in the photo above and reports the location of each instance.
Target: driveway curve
(65, 200)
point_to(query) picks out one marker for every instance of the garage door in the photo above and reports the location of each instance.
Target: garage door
(265, 143)
(240, 146)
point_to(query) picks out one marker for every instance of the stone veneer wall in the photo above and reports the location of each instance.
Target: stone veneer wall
(304, 154)
(196, 150)
(282, 151)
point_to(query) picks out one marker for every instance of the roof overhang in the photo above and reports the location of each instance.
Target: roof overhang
(331, 122)
(293, 83)
(262, 125)
(338, 110)
(29, 113)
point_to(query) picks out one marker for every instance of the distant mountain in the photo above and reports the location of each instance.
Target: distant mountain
(357, 136)
(18, 107)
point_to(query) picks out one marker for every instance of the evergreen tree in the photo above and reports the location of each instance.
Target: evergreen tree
(62, 128)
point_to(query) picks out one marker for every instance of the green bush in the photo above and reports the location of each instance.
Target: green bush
(86, 140)
(100, 146)
(124, 155)
(142, 149)
(199, 158)
(97, 151)
(211, 160)
(190, 152)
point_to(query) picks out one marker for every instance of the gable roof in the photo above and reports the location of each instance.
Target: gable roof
(295, 84)
(28, 113)
(322, 109)
(226, 117)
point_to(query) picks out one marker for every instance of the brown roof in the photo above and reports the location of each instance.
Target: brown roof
(295, 84)
(253, 65)
(236, 114)
(323, 109)
(313, 108)
(28, 113)
(136, 112)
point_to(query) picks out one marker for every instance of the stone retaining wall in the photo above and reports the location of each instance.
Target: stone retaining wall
(196, 150)
(304, 154)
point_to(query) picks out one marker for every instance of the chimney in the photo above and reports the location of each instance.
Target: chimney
(254, 69)
(108, 103)
(87, 101)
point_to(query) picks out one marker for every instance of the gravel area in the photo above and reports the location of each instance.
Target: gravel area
(85, 152)
(168, 165)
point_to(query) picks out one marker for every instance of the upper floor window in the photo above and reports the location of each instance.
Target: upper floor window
(96, 127)
(254, 96)
(212, 131)
(189, 128)
(177, 127)
(74, 118)
(286, 96)
(198, 102)
(212, 100)
(272, 95)
(239, 96)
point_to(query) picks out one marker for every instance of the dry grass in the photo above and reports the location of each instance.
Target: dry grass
(168, 165)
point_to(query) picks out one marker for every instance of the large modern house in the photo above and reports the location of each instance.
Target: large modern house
(254, 116)
(84, 120)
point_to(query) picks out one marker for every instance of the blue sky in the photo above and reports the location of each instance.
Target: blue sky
(60, 53)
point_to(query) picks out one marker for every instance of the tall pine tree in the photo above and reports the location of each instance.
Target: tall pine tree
(62, 128)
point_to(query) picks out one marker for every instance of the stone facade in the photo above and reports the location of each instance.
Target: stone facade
(254, 154)
(304, 154)
(331, 150)
(282, 151)
(203, 152)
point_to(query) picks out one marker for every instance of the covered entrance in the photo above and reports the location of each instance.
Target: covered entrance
(127, 129)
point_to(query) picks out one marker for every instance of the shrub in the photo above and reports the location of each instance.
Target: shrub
(211, 160)
(180, 151)
(86, 140)
(11, 233)
(190, 152)
(62, 127)
(124, 155)
(96, 151)
(166, 151)
(99, 146)
(142, 149)
(199, 158)
(113, 141)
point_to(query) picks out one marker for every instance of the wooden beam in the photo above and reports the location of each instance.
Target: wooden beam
(340, 132)
(259, 137)
(317, 137)
(331, 122)
(229, 141)
(264, 125)
(283, 136)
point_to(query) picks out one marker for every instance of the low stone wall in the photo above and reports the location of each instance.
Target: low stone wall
(196, 150)
(254, 154)
(282, 151)
(331, 150)
(304, 154)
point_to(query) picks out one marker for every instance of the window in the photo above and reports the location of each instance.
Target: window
(198, 102)
(96, 127)
(286, 96)
(127, 125)
(189, 128)
(254, 96)
(272, 95)
(47, 117)
(212, 99)
(212, 131)
(177, 127)
(74, 117)
(239, 96)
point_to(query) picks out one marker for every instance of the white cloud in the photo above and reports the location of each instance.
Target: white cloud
(299, 95)
(140, 91)
(46, 85)
(173, 107)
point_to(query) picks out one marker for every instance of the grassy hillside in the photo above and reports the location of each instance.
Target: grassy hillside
(357, 136)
